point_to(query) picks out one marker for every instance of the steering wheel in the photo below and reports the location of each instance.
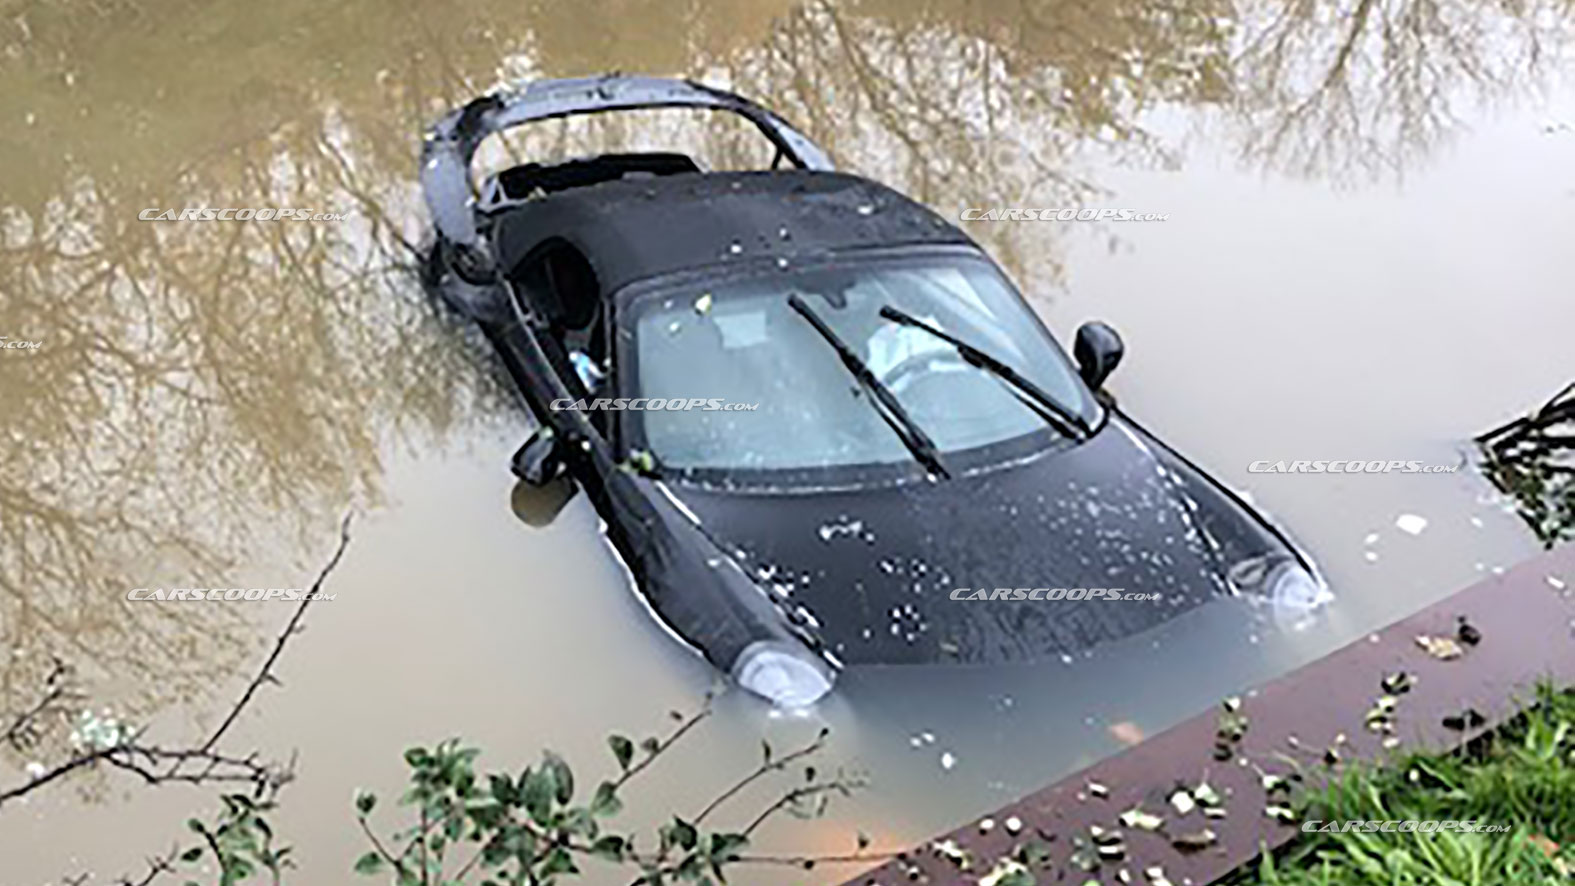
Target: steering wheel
(918, 366)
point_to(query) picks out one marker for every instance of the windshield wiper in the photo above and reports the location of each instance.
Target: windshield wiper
(1064, 421)
(918, 443)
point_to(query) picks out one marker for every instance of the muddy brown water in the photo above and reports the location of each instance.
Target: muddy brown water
(1365, 256)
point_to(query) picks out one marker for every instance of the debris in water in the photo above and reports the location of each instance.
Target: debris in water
(1204, 793)
(1556, 583)
(703, 304)
(1411, 523)
(1182, 802)
(1014, 825)
(1126, 732)
(986, 825)
(948, 760)
(1371, 539)
(1095, 789)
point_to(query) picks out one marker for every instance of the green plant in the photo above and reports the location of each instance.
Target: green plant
(1521, 777)
(539, 826)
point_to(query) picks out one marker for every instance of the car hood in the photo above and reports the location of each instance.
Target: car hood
(873, 571)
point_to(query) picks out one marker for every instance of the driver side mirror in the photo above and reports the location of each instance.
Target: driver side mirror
(1098, 351)
(538, 461)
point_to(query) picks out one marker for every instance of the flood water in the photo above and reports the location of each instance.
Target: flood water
(1366, 256)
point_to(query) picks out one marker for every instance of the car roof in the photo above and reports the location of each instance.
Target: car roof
(635, 228)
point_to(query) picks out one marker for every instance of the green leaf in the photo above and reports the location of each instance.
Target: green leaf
(196, 826)
(417, 757)
(191, 854)
(606, 801)
(558, 861)
(369, 864)
(610, 847)
(503, 788)
(579, 822)
(562, 776)
(684, 834)
(622, 749)
(539, 790)
(650, 745)
(725, 846)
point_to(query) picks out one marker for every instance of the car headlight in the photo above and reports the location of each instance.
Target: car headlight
(1283, 585)
(1293, 590)
(780, 674)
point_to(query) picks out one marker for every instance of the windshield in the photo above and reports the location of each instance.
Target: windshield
(779, 398)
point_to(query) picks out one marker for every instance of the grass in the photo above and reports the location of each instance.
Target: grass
(1522, 776)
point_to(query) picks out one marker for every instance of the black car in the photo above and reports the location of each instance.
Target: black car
(821, 425)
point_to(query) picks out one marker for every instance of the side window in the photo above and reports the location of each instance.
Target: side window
(559, 282)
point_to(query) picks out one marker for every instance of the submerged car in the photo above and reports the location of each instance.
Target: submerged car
(820, 424)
